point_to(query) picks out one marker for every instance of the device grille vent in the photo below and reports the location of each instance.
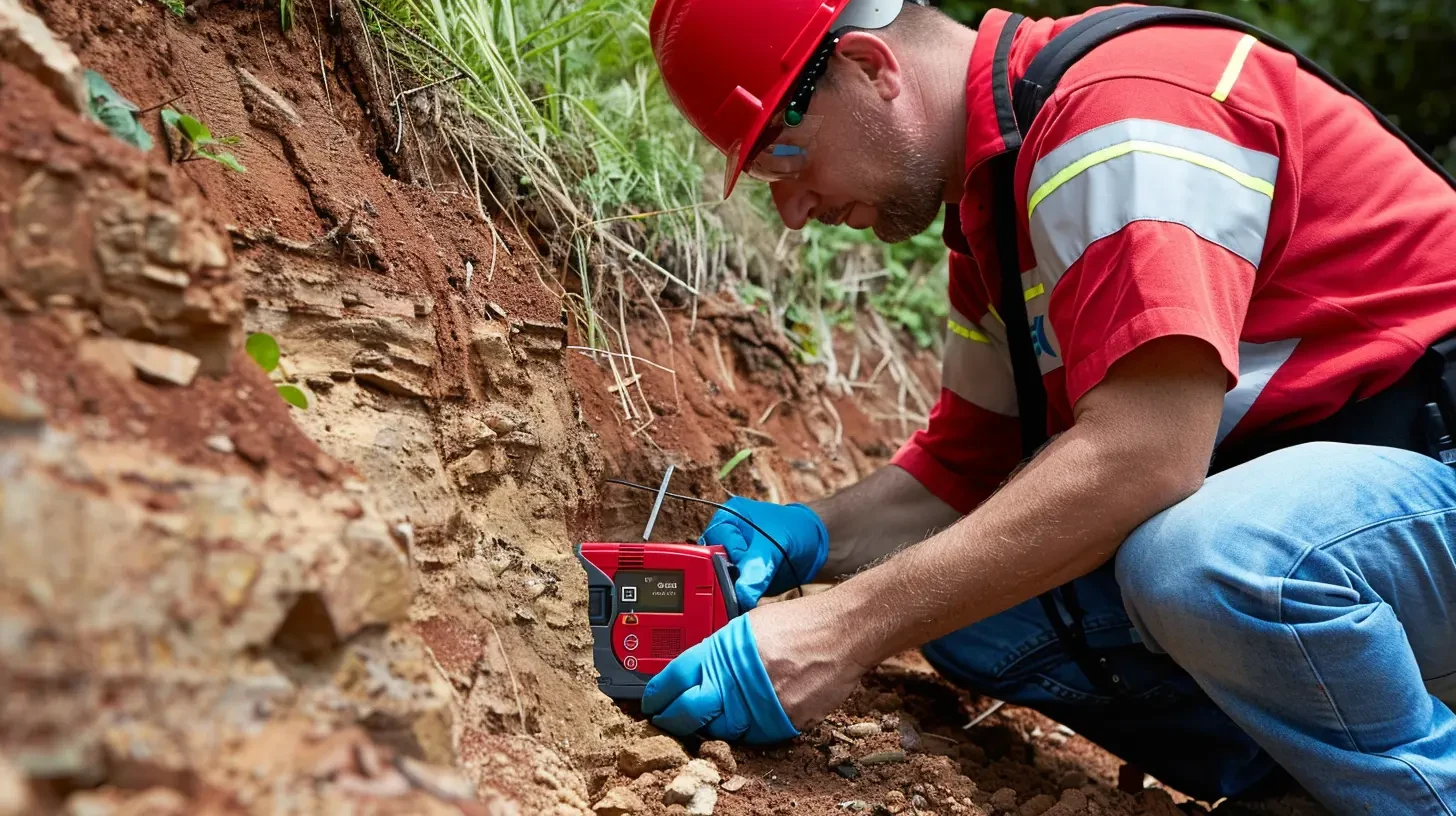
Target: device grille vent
(629, 556)
(666, 642)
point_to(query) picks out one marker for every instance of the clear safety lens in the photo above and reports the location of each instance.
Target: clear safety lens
(786, 150)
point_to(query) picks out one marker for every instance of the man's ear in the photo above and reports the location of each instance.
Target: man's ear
(871, 56)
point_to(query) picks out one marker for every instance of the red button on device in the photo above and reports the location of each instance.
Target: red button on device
(630, 643)
(630, 662)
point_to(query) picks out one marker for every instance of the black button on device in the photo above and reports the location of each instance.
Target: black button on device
(596, 606)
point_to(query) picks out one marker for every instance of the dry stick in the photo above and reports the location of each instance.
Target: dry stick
(264, 38)
(589, 351)
(770, 410)
(515, 689)
(995, 706)
(722, 366)
(627, 345)
(323, 73)
(621, 392)
(838, 423)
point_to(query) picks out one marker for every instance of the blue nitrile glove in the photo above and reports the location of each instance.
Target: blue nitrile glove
(761, 569)
(721, 687)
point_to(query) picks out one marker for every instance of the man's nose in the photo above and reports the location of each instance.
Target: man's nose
(794, 202)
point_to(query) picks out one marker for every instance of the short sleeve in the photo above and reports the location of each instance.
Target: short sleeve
(1148, 209)
(971, 442)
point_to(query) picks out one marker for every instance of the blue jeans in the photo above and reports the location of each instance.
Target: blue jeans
(1299, 609)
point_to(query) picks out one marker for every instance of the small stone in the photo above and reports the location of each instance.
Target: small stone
(501, 425)
(319, 384)
(1072, 779)
(221, 443)
(702, 769)
(424, 307)
(839, 755)
(161, 363)
(658, 753)
(847, 771)
(909, 737)
(894, 801)
(351, 299)
(919, 802)
(16, 406)
(619, 801)
(1037, 805)
(735, 784)
(1072, 802)
(718, 752)
(1057, 739)
(696, 787)
(863, 729)
(882, 758)
(525, 615)
(644, 781)
(174, 278)
(1004, 800)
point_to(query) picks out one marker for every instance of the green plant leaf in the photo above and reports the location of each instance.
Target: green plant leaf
(115, 112)
(734, 462)
(264, 350)
(225, 159)
(294, 396)
(285, 14)
(177, 7)
(195, 132)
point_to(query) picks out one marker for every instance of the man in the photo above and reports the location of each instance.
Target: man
(1218, 251)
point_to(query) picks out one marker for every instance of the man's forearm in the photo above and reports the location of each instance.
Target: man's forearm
(1060, 518)
(887, 510)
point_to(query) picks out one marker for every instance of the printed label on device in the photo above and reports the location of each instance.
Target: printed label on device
(651, 590)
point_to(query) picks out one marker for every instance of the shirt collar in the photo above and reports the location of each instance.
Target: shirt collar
(990, 124)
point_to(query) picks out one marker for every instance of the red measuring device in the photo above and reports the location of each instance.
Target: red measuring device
(649, 601)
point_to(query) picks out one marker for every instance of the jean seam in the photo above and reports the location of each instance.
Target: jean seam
(1030, 646)
(1324, 690)
(1421, 776)
(1436, 511)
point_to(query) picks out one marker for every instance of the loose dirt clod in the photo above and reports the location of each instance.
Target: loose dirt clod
(1004, 800)
(658, 753)
(720, 754)
(619, 801)
(864, 729)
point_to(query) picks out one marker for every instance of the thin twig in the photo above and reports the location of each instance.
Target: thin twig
(160, 105)
(979, 718)
(588, 351)
(515, 689)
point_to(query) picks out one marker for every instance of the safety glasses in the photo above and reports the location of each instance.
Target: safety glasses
(783, 151)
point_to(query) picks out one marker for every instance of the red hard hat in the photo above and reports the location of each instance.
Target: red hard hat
(727, 64)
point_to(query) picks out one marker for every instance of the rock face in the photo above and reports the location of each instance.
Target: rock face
(181, 629)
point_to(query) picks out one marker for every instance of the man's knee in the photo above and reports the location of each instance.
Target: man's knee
(1227, 547)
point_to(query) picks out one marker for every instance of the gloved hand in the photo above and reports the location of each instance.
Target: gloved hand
(760, 565)
(720, 686)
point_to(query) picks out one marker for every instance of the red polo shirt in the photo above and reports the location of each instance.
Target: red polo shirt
(1185, 181)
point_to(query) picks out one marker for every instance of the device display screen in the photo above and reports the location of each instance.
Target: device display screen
(650, 590)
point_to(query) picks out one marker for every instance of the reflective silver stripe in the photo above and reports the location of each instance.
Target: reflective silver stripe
(978, 370)
(1258, 363)
(1153, 171)
(1253, 162)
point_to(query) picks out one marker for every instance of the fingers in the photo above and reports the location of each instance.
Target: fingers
(692, 710)
(682, 673)
(755, 572)
(726, 534)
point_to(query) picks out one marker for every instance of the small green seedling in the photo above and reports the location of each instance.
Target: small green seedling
(734, 462)
(198, 141)
(264, 351)
(177, 7)
(285, 14)
(115, 111)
